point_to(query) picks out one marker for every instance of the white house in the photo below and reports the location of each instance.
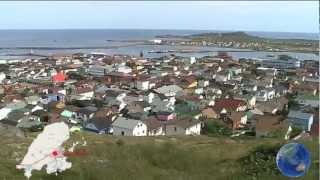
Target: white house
(123, 69)
(193, 60)
(198, 91)
(2, 77)
(222, 76)
(129, 127)
(170, 90)
(157, 41)
(142, 84)
(183, 127)
(265, 95)
(203, 83)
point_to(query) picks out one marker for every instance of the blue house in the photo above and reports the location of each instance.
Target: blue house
(300, 119)
(54, 97)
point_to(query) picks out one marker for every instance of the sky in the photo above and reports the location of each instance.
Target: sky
(278, 16)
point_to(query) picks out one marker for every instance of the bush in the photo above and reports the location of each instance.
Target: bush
(215, 128)
(120, 142)
(261, 161)
(295, 131)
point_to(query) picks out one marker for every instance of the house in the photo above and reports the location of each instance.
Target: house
(189, 81)
(98, 70)
(70, 113)
(86, 113)
(99, 125)
(165, 115)
(29, 121)
(59, 77)
(222, 76)
(265, 94)
(123, 69)
(2, 77)
(16, 105)
(154, 127)
(138, 106)
(129, 127)
(265, 82)
(183, 127)
(203, 83)
(273, 106)
(224, 106)
(115, 97)
(32, 100)
(193, 102)
(46, 99)
(209, 113)
(83, 92)
(267, 124)
(300, 119)
(237, 119)
(280, 90)
(308, 100)
(305, 88)
(170, 90)
(248, 98)
(142, 83)
(249, 87)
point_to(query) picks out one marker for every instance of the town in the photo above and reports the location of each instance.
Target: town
(122, 95)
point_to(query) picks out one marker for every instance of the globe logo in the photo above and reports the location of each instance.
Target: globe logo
(293, 160)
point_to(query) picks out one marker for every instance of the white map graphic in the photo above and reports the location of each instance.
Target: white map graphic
(47, 150)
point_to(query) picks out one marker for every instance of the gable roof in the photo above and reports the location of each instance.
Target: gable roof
(125, 123)
(152, 123)
(228, 104)
(184, 123)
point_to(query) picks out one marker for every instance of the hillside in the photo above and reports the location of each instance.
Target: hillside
(124, 158)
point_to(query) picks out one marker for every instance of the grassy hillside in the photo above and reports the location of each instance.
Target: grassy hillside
(147, 158)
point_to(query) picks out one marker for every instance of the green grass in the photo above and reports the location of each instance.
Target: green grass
(148, 158)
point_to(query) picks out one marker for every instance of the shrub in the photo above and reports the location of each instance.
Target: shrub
(215, 128)
(261, 161)
(120, 142)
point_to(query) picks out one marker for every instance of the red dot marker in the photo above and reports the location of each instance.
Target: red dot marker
(54, 153)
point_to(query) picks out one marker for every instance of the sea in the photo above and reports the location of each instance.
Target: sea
(15, 44)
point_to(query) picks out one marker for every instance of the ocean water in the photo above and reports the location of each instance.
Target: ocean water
(113, 41)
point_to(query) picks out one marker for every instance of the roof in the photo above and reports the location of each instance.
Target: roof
(101, 123)
(59, 77)
(16, 105)
(113, 93)
(29, 121)
(299, 115)
(168, 89)
(152, 123)
(184, 123)
(125, 123)
(88, 110)
(271, 105)
(143, 104)
(270, 122)
(229, 104)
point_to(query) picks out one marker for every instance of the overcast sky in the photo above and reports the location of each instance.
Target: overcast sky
(285, 16)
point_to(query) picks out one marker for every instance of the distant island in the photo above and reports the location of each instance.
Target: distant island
(243, 40)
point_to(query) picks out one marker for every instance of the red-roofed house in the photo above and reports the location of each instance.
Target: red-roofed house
(223, 106)
(59, 77)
